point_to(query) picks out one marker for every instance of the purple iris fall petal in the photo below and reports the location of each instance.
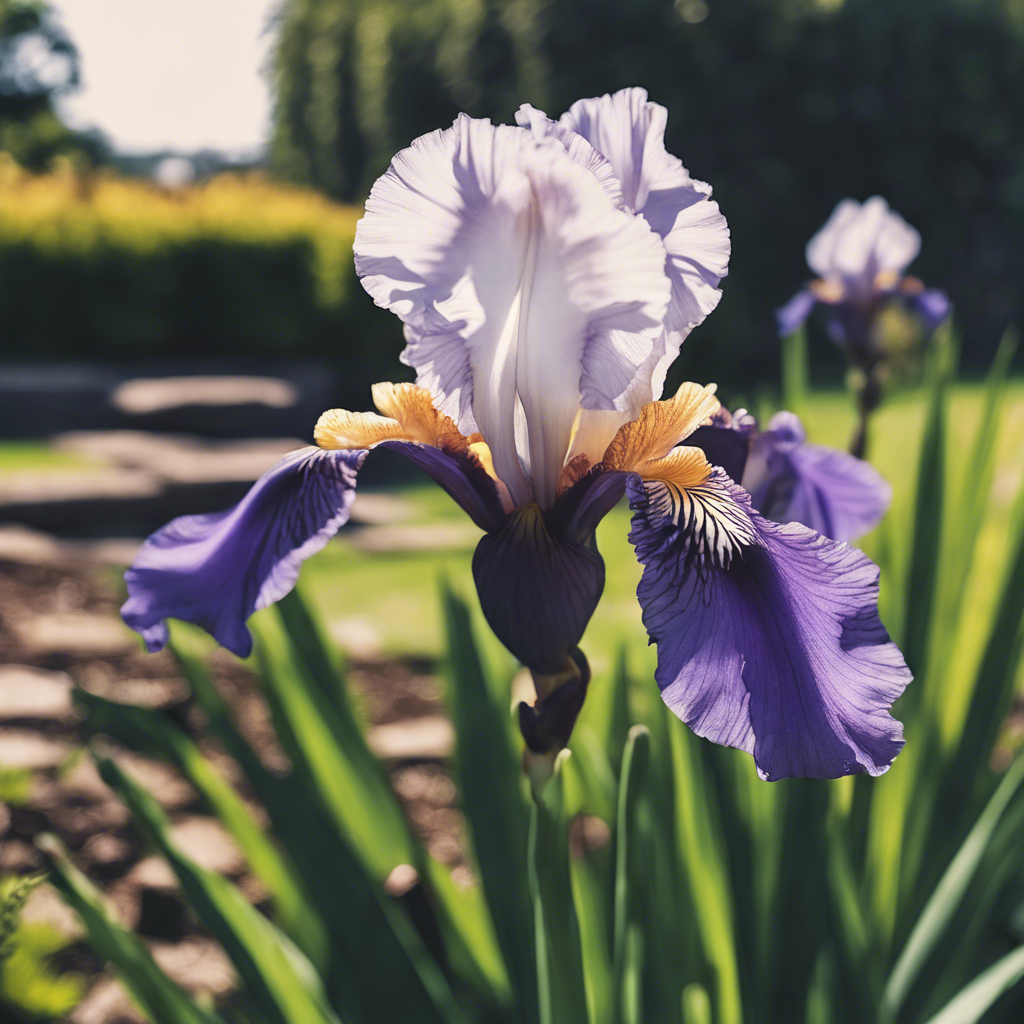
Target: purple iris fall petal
(790, 316)
(537, 591)
(828, 490)
(768, 636)
(216, 570)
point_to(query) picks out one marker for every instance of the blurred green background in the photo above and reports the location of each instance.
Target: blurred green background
(198, 262)
(785, 106)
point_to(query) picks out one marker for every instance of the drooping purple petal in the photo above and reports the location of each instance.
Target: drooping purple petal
(792, 315)
(830, 491)
(768, 636)
(216, 570)
(537, 591)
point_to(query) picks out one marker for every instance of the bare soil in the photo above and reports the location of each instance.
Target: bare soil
(59, 628)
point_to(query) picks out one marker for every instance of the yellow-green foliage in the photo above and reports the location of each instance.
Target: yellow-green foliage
(95, 265)
(66, 213)
(27, 981)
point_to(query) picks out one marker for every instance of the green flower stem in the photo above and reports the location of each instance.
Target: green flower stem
(561, 992)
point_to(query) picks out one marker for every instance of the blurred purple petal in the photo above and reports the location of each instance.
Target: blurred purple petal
(216, 570)
(933, 306)
(828, 490)
(768, 636)
(860, 241)
(790, 316)
(536, 590)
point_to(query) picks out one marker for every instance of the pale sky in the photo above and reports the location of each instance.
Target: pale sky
(180, 74)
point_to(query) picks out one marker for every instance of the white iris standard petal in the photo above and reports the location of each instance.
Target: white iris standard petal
(629, 131)
(525, 291)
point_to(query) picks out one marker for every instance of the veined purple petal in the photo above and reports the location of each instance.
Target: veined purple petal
(537, 590)
(768, 636)
(630, 131)
(828, 490)
(216, 570)
(792, 315)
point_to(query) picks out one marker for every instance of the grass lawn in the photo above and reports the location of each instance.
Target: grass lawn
(395, 594)
(38, 457)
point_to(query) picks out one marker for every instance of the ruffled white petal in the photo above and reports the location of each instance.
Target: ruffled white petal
(630, 131)
(520, 283)
(576, 147)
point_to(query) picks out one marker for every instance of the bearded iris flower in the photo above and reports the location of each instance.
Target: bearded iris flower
(860, 255)
(546, 275)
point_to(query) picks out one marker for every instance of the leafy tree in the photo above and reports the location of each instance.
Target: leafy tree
(38, 64)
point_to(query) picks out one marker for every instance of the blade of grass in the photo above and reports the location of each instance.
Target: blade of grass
(992, 694)
(562, 996)
(591, 883)
(985, 904)
(379, 966)
(456, 911)
(946, 898)
(985, 703)
(606, 713)
(854, 927)
(671, 946)
(975, 490)
(154, 993)
(186, 644)
(292, 905)
(489, 778)
(275, 973)
(332, 755)
(468, 932)
(893, 796)
(795, 371)
(696, 1005)
(928, 519)
(977, 997)
(627, 948)
(701, 852)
